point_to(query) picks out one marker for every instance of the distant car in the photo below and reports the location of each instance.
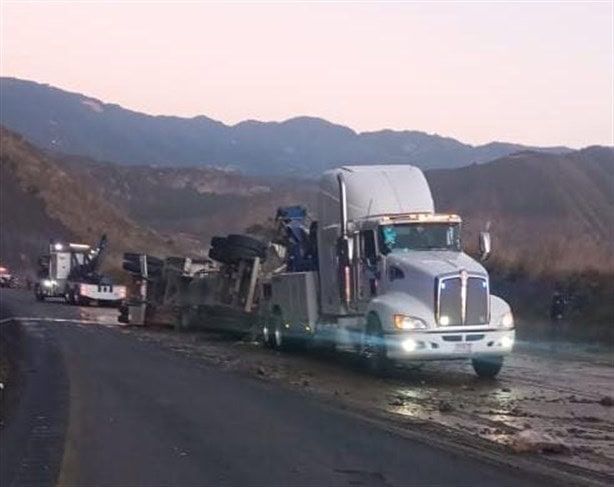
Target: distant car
(6, 279)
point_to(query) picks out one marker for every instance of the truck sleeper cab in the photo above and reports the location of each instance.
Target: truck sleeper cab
(392, 282)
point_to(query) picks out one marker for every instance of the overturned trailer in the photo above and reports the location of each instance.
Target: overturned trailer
(196, 293)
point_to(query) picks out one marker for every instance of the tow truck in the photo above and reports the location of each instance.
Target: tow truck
(71, 271)
(380, 273)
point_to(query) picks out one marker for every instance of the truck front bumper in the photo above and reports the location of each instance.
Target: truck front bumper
(449, 345)
(102, 293)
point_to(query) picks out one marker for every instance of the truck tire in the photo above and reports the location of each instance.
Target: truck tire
(487, 367)
(219, 242)
(232, 254)
(184, 320)
(247, 242)
(38, 293)
(280, 337)
(176, 263)
(268, 332)
(374, 351)
(219, 254)
(237, 252)
(131, 263)
(154, 266)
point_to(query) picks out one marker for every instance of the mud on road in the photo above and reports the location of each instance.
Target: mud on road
(556, 404)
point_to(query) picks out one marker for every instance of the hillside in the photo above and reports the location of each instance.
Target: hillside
(552, 212)
(40, 201)
(190, 203)
(77, 124)
(552, 215)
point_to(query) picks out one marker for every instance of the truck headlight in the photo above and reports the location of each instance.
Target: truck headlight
(403, 322)
(49, 283)
(507, 320)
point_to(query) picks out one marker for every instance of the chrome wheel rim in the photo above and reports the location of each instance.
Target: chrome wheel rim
(278, 336)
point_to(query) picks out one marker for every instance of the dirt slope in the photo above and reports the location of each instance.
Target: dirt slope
(39, 201)
(552, 211)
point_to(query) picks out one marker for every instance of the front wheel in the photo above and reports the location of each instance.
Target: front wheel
(38, 293)
(374, 351)
(69, 296)
(186, 319)
(487, 367)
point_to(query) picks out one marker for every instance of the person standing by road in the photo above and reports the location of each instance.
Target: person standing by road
(557, 315)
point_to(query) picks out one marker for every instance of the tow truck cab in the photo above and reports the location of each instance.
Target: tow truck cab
(392, 280)
(69, 271)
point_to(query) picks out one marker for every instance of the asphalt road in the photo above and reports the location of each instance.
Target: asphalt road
(95, 406)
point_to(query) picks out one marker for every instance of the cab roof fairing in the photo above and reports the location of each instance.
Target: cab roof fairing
(374, 191)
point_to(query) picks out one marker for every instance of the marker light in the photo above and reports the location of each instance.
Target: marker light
(444, 320)
(58, 246)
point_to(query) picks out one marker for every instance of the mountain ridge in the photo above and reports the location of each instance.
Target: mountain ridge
(73, 123)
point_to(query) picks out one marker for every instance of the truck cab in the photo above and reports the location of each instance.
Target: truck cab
(70, 271)
(422, 295)
(393, 282)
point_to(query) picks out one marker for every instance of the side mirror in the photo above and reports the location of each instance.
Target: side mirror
(484, 245)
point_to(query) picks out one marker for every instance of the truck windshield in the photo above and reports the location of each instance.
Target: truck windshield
(419, 236)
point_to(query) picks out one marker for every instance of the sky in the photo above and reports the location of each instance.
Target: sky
(526, 72)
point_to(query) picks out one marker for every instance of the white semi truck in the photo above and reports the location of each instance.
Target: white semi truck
(388, 279)
(70, 271)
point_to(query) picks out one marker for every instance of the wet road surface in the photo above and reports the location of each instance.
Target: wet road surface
(98, 404)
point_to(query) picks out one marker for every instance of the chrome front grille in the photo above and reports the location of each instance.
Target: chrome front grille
(462, 299)
(477, 301)
(450, 301)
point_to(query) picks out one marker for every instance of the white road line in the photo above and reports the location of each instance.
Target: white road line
(53, 320)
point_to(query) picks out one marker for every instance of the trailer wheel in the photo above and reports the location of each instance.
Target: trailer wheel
(188, 319)
(487, 367)
(238, 252)
(247, 242)
(38, 293)
(280, 337)
(374, 349)
(268, 332)
(219, 242)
